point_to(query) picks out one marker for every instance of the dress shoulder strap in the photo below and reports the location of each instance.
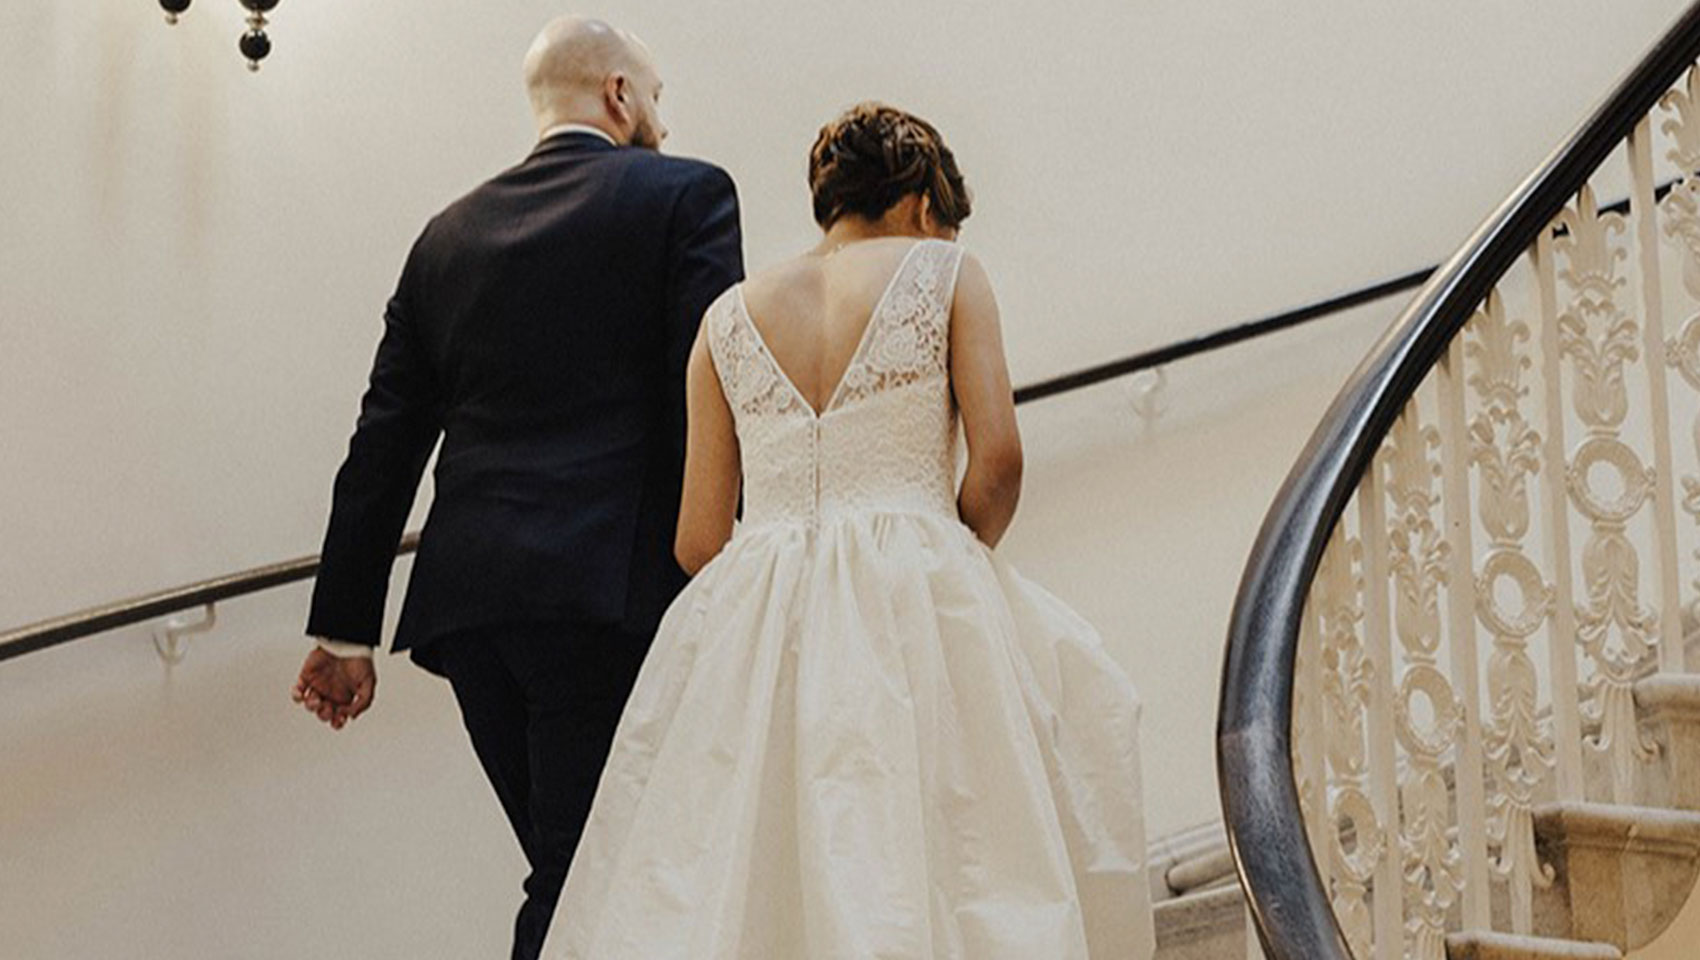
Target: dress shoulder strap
(947, 265)
(908, 339)
(749, 378)
(723, 345)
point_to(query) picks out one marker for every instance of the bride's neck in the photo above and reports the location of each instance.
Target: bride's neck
(848, 231)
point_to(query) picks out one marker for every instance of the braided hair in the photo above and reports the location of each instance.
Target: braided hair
(874, 155)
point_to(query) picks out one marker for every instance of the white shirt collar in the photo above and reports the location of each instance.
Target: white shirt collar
(561, 128)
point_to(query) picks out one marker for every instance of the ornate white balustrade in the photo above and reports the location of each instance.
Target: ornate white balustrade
(1512, 565)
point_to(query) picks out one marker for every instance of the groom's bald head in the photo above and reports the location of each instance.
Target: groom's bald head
(582, 70)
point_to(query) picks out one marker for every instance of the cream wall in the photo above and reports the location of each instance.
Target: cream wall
(193, 261)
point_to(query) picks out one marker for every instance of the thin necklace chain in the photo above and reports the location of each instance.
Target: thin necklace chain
(840, 245)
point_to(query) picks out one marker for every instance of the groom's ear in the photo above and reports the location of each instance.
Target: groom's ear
(615, 91)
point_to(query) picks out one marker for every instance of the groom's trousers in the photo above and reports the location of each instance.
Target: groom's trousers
(540, 701)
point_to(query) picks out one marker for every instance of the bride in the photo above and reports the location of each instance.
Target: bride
(859, 733)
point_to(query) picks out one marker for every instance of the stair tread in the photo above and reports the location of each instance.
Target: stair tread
(1200, 871)
(1200, 913)
(1618, 821)
(1673, 692)
(1488, 945)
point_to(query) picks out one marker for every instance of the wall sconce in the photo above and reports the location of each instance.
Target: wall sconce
(255, 45)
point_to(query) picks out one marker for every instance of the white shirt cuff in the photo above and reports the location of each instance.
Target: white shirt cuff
(342, 648)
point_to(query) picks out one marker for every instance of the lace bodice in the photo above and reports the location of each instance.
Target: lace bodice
(886, 439)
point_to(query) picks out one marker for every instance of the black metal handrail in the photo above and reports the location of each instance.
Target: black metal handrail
(123, 613)
(1226, 337)
(1254, 765)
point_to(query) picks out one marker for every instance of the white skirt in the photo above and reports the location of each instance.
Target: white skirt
(874, 741)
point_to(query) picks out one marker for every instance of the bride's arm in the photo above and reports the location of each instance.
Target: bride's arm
(710, 499)
(980, 378)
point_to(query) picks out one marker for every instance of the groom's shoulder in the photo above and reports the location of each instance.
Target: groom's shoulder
(643, 177)
(677, 172)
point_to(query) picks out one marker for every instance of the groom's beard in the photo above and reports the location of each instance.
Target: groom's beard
(646, 136)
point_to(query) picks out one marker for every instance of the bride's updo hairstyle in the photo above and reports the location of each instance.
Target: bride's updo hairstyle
(873, 156)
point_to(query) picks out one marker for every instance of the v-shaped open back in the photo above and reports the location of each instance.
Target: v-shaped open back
(869, 332)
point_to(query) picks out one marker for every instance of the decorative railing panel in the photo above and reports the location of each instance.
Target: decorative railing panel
(1511, 564)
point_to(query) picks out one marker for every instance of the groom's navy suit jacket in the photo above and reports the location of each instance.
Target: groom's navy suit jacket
(541, 328)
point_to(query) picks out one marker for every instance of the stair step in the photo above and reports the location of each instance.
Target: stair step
(1669, 705)
(1206, 925)
(1627, 871)
(1482, 945)
(1202, 871)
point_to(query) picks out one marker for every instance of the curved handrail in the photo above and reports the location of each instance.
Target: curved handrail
(1259, 796)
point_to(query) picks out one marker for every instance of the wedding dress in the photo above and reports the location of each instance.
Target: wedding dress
(859, 734)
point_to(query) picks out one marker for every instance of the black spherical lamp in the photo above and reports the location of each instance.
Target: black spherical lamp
(254, 43)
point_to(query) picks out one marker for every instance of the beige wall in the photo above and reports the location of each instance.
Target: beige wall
(1146, 530)
(1678, 940)
(193, 260)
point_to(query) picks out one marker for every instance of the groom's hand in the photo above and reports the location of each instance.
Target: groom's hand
(335, 689)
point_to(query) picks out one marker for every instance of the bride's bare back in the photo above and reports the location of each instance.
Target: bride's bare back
(813, 311)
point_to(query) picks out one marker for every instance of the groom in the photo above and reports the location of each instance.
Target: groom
(540, 328)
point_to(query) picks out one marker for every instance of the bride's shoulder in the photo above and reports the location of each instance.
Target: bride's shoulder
(974, 306)
(781, 276)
